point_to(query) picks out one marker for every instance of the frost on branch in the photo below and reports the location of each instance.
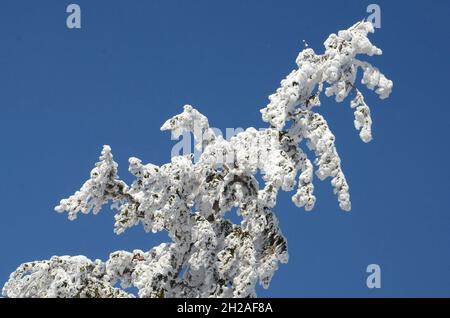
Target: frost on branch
(99, 189)
(62, 276)
(208, 255)
(363, 122)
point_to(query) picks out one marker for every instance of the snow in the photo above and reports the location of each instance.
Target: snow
(209, 256)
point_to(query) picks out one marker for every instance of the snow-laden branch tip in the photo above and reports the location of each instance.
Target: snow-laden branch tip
(209, 256)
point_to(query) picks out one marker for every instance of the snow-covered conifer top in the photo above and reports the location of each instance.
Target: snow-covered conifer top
(209, 256)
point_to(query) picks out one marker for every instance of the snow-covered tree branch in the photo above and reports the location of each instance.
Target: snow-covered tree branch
(209, 256)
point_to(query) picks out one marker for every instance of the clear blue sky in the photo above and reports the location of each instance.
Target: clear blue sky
(64, 93)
